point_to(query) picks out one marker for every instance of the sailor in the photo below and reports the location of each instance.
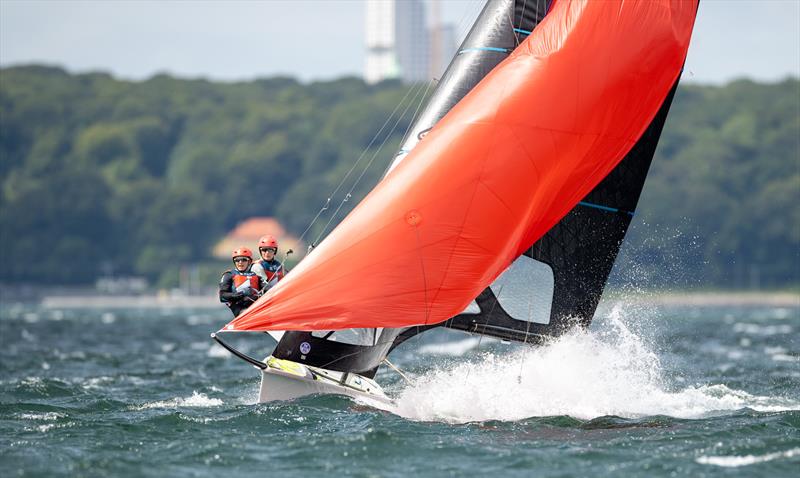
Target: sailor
(240, 286)
(269, 269)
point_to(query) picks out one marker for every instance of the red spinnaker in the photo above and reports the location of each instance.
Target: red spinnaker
(499, 170)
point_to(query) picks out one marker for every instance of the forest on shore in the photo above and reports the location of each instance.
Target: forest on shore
(105, 176)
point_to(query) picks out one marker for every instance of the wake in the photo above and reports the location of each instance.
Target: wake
(584, 375)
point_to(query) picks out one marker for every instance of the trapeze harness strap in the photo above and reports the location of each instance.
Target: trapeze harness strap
(244, 280)
(271, 269)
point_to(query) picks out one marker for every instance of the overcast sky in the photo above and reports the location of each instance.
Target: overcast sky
(318, 39)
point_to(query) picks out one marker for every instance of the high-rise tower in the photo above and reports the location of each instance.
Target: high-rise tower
(397, 41)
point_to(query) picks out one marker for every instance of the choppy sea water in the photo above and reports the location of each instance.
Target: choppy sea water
(647, 391)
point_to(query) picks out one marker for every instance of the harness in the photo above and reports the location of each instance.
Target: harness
(272, 269)
(244, 280)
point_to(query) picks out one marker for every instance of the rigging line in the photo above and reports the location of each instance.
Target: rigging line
(525, 341)
(364, 170)
(510, 15)
(522, 14)
(419, 105)
(410, 124)
(400, 372)
(496, 300)
(324, 208)
(530, 315)
(468, 17)
(491, 311)
(348, 195)
(518, 30)
(480, 335)
(361, 156)
(522, 359)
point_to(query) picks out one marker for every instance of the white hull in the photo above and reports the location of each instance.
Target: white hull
(286, 380)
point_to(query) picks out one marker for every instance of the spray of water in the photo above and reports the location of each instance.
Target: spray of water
(583, 375)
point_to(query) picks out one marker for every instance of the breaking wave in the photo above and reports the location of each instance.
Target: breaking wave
(196, 400)
(583, 375)
(736, 461)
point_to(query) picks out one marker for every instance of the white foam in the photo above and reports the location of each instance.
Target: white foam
(736, 461)
(47, 416)
(95, 383)
(196, 400)
(582, 375)
(217, 351)
(204, 345)
(785, 358)
(781, 313)
(757, 329)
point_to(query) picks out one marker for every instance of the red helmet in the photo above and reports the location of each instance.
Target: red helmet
(267, 241)
(242, 252)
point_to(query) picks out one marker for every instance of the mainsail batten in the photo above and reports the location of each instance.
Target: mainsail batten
(462, 205)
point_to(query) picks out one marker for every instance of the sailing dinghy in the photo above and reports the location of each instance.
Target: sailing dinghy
(504, 210)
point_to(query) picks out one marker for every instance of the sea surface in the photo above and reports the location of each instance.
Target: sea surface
(646, 391)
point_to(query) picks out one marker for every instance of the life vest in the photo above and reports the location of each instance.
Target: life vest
(272, 269)
(244, 280)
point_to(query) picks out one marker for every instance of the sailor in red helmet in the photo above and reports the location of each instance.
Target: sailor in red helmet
(269, 269)
(240, 286)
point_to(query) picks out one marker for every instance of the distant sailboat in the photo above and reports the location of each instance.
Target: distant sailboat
(507, 204)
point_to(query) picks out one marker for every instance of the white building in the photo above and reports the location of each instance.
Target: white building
(397, 41)
(443, 47)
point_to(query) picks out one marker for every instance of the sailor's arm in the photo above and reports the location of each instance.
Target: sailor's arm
(226, 291)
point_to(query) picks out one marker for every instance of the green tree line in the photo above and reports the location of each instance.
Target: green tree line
(101, 175)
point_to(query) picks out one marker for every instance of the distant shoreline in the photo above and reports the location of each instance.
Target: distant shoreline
(696, 299)
(712, 299)
(132, 302)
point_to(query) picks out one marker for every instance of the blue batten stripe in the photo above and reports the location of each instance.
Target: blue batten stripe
(604, 208)
(520, 30)
(484, 48)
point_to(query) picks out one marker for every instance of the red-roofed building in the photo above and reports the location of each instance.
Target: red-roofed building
(248, 232)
